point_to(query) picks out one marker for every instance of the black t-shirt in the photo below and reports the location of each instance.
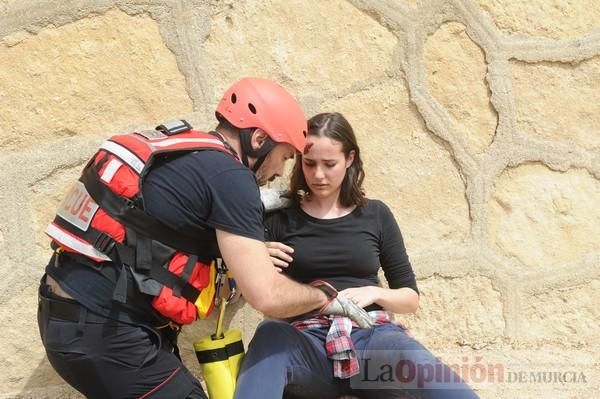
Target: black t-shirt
(347, 251)
(191, 193)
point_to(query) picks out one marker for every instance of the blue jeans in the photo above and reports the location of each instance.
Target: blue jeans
(284, 362)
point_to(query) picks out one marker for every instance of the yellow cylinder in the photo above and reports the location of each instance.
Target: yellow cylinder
(220, 361)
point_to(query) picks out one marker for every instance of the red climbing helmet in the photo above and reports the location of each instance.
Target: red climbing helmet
(262, 103)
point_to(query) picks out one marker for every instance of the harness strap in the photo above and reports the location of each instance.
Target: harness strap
(185, 274)
(120, 291)
(143, 253)
(142, 247)
(175, 282)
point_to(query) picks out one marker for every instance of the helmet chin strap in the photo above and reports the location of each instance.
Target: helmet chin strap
(247, 151)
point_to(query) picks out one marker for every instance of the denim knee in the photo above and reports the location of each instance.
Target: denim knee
(274, 334)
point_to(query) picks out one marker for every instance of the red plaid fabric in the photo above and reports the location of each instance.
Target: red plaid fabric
(338, 343)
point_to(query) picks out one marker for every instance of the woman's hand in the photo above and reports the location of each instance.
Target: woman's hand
(279, 254)
(362, 296)
(398, 300)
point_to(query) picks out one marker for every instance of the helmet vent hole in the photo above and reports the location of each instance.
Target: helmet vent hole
(304, 133)
(252, 108)
(233, 98)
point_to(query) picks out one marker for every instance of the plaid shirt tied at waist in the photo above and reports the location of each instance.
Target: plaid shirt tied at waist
(338, 343)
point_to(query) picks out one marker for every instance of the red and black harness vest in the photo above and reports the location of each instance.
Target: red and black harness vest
(102, 218)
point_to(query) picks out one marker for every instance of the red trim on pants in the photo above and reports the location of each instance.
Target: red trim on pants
(169, 378)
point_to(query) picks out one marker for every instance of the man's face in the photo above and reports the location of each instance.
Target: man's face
(274, 163)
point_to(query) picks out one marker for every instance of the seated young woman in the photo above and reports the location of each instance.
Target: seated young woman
(334, 235)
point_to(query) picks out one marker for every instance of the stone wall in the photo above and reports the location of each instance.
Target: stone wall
(479, 121)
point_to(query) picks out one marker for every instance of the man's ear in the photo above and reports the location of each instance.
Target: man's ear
(258, 138)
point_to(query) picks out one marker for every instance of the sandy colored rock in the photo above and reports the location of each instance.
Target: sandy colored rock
(26, 352)
(456, 312)
(545, 218)
(554, 19)
(405, 167)
(563, 313)
(339, 46)
(90, 76)
(456, 75)
(559, 102)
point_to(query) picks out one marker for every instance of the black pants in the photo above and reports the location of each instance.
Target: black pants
(104, 358)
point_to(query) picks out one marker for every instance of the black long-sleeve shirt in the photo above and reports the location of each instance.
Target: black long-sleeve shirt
(346, 251)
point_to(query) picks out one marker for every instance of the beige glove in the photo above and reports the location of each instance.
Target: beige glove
(340, 306)
(273, 199)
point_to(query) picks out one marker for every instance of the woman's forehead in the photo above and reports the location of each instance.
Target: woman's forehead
(322, 146)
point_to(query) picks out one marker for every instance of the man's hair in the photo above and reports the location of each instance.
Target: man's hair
(226, 125)
(334, 126)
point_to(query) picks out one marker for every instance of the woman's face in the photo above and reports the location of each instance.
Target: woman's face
(324, 166)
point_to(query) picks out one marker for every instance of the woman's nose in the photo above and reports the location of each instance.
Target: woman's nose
(319, 173)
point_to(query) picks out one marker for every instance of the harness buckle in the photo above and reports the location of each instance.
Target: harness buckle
(129, 203)
(55, 260)
(174, 127)
(104, 243)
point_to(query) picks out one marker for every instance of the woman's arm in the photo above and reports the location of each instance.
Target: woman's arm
(403, 294)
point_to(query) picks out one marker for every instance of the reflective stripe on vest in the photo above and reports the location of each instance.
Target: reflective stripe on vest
(127, 156)
(75, 243)
(176, 142)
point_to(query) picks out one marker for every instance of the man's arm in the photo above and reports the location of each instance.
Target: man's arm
(268, 291)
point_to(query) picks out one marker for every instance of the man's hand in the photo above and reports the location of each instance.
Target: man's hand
(341, 306)
(279, 253)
